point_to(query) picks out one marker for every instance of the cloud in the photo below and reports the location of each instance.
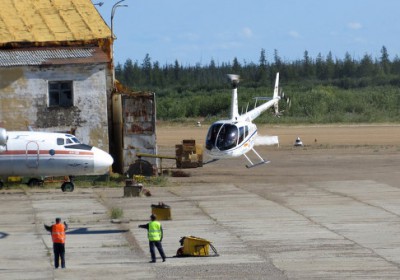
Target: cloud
(294, 34)
(246, 32)
(354, 25)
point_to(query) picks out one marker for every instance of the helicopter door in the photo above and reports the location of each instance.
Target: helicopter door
(32, 154)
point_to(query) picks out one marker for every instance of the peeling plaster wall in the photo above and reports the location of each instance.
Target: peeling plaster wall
(24, 101)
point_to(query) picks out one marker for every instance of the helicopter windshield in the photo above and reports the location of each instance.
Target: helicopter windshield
(222, 136)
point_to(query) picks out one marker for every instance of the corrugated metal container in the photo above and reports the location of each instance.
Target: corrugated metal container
(195, 246)
(134, 128)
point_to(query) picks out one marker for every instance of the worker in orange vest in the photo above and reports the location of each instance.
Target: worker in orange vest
(58, 236)
(155, 235)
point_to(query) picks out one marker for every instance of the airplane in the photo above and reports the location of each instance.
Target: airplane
(235, 137)
(36, 155)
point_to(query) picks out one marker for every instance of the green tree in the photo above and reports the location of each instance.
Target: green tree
(262, 75)
(236, 67)
(384, 60)
(128, 73)
(307, 66)
(366, 68)
(146, 66)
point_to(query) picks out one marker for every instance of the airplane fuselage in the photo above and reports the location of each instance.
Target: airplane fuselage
(39, 154)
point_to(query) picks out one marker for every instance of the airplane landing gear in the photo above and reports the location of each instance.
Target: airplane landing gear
(68, 186)
(34, 182)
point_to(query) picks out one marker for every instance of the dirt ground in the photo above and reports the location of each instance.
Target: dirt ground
(332, 135)
(330, 152)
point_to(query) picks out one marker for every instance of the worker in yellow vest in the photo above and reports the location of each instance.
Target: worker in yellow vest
(155, 235)
(58, 236)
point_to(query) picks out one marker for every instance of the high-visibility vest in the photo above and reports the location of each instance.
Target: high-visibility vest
(58, 233)
(154, 231)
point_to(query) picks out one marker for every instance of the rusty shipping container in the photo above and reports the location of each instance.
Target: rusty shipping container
(134, 129)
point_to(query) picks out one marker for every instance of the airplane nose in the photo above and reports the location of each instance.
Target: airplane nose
(102, 161)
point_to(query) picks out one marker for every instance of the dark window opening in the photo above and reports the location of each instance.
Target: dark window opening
(60, 94)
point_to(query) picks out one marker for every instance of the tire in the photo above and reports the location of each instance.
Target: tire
(67, 187)
(140, 167)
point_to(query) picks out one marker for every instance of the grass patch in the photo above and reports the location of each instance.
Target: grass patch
(116, 213)
(152, 181)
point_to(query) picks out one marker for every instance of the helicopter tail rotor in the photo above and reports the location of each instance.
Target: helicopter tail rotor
(288, 101)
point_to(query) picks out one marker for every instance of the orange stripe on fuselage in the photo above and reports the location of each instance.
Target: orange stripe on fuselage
(46, 152)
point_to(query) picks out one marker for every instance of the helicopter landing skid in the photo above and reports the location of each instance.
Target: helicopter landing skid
(262, 161)
(210, 161)
(257, 164)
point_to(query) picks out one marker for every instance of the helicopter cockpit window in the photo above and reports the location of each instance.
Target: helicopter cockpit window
(222, 136)
(241, 134)
(227, 137)
(212, 135)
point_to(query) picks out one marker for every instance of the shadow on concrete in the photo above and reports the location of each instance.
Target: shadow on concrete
(87, 231)
(3, 235)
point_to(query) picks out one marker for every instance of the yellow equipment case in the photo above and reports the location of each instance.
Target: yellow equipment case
(195, 247)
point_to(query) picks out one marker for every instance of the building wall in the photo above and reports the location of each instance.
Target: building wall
(24, 100)
(134, 129)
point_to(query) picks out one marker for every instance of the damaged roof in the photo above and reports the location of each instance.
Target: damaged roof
(41, 21)
(51, 56)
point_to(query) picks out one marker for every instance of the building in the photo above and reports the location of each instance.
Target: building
(55, 68)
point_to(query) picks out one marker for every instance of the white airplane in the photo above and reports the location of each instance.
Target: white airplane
(235, 137)
(39, 154)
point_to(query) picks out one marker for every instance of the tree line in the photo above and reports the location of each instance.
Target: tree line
(323, 89)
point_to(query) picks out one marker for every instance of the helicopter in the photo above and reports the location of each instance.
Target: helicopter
(236, 137)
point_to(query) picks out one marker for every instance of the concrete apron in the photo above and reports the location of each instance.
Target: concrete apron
(326, 230)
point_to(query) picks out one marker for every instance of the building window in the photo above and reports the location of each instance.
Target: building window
(60, 94)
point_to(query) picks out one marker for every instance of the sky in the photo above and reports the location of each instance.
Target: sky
(196, 32)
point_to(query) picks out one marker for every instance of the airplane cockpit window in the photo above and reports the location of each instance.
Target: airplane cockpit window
(75, 140)
(60, 141)
(70, 139)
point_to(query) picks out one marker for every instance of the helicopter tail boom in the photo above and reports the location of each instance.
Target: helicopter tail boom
(251, 115)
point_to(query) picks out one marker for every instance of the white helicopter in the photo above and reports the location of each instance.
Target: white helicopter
(236, 136)
(38, 154)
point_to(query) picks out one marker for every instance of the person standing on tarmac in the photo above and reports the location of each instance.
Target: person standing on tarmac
(58, 236)
(155, 235)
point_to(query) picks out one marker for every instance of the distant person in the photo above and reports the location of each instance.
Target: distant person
(155, 235)
(58, 236)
